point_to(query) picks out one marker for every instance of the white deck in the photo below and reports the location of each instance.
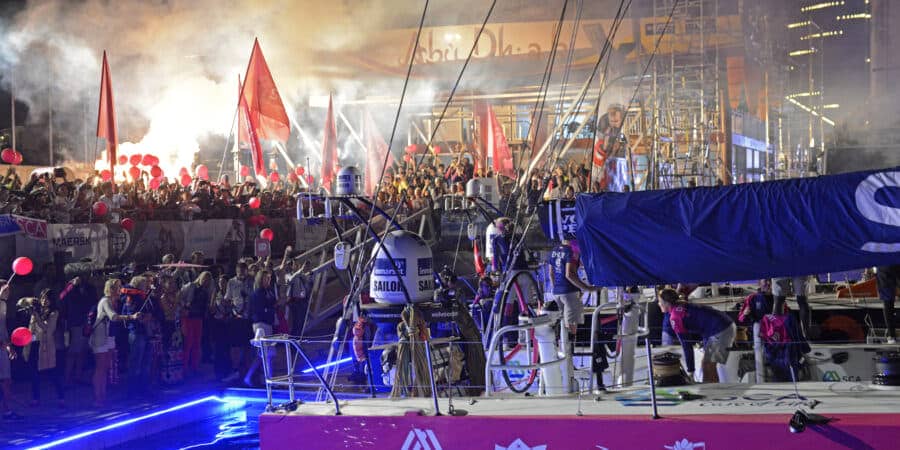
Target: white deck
(773, 398)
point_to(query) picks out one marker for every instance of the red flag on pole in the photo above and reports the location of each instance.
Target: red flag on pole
(479, 263)
(377, 150)
(329, 148)
(263, 109)
(106, 116)
(493, 142)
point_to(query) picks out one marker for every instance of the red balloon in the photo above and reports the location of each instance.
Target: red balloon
(412, 148)
(185, 180)
(134, 172)
(100, 209)
(8, 155)
(253, 202)
(21, 336)
(407, 157)
(22, 266)
(155, 182)
(245, 171)
(202, 172)
(135, 159)
(437, 148)
(156, 172)
(147, 160)
(183, 172)
(310, 179)
(127, 223)
(17, 158)
(300, 170)
(123, 160)
(292, 177)
(105, 175)
(267, 234)
(274, 177)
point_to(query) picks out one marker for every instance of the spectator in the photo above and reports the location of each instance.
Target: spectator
(195, 301)
(262, 314)
(40, 355)
(78, 298)
(103, 340)
(6, 355)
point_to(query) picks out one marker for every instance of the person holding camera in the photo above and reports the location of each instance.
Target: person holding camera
(76, 299)
(40, 354)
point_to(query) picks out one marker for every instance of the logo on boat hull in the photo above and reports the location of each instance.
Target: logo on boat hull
(685, 444)
(518, 444)
(421, 440)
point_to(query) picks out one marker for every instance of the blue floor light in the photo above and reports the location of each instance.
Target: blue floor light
(333, 363)
(126, 422)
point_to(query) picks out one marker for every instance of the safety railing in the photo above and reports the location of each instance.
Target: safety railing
(531, 324)
(291, 345)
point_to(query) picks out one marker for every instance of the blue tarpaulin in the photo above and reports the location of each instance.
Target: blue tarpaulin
(747, 231)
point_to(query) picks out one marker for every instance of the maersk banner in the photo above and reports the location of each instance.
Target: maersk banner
(747, 231)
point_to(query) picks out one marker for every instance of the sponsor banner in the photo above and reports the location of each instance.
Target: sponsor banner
(76, 241)
(557, 219)
(690, 432)
(741, 232)
(33, 228)
(309, 233)
(8, 225)
(147, 242)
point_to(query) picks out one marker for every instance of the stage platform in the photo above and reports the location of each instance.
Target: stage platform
(726, 416)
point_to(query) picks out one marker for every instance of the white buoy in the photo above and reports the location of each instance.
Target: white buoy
(414, 269)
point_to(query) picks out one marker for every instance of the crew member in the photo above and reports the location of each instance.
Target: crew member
(567, 289)
(780, 288)
(888, 279)
(715, 328)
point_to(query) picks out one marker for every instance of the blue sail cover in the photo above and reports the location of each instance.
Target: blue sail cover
(740, 232)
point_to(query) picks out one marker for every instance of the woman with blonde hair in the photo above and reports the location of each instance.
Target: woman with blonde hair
(103, 339)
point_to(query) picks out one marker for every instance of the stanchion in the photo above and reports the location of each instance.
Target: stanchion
(434, 397)
(652, 380)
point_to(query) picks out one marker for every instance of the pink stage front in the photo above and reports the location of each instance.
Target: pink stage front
(728, 417)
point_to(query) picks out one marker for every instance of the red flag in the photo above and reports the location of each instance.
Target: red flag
(106, 116)
(263, 111)
(479, 263)
(266, 111)
(329, 148)
(493, 142)
(243, 134)
(256, 153)
(377, 149)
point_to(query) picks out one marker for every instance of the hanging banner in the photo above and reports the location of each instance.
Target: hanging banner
(33, 228)
(309, 234)
(8, 225)
(558, 219)
(76, 241)
(741, 232)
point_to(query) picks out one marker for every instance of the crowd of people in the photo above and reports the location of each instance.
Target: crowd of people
(143, 330)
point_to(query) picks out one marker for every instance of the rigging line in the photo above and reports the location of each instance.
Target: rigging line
(537, 114)
(456, 84)
(544, 88)
(623, 9)
(617, 21)
(387, 155)
(607, 46)
(572, 39)
(653, 53)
